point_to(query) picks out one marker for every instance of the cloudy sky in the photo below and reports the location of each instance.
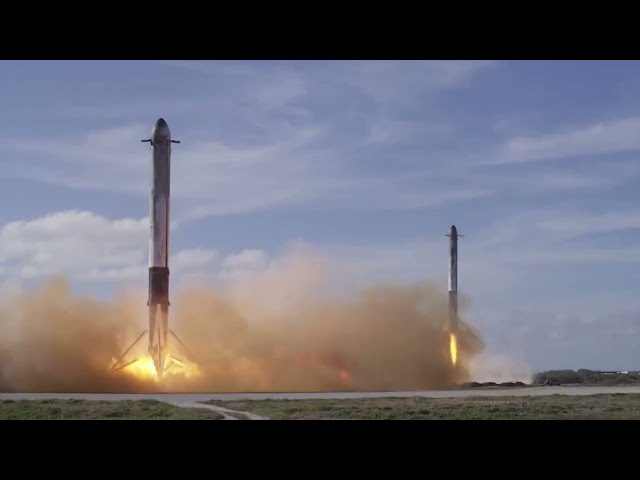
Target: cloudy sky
(371, 162)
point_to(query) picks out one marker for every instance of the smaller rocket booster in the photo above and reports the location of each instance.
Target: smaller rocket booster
(453, 278)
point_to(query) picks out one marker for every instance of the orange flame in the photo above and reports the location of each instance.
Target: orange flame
(453, 349)
(145, 369)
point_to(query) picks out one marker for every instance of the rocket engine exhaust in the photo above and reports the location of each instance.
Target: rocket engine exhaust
(162, 351)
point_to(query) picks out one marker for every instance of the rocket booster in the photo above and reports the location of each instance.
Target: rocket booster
(164, 355)
(453, 278)
(158, 300)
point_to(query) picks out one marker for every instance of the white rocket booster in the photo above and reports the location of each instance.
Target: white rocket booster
(158, 300)
(159, 242)
(453, 278)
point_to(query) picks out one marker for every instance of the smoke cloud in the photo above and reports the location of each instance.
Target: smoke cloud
(282, 329)
(500, 368)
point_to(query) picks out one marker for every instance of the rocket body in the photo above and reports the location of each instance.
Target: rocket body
(164, 355)
(160, 193)
(453, 278)
(158, 300)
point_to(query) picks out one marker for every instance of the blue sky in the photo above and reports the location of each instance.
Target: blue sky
(370, 162)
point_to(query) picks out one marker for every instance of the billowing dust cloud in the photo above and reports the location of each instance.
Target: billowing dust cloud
(500, 368)
(279, 330)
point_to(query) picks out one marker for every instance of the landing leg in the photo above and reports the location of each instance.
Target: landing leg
(189, 355)
(117, 366)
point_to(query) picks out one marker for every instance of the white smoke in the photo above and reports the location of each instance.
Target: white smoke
(487, 367)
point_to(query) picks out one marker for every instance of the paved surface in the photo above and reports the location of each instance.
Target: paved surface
(189, 399)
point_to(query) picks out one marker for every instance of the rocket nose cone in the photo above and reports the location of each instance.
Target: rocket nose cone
(160, 129)
(453, 229)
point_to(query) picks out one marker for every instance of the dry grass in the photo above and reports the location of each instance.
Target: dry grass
(560, 407)
(100, 410)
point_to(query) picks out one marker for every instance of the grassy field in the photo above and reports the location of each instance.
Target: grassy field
(100, 410)
(560, 407)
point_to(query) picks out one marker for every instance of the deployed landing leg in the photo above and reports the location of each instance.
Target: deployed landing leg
(468, 330)
(163, 353)
(188, 353)
(119, 365)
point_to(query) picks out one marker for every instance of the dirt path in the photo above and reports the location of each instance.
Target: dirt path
(225, 412)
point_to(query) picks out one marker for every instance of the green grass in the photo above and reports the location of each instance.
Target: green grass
(100, 410)
(557, 407)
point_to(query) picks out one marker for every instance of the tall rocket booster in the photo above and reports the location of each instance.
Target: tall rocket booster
(453, 278)
(158, 300)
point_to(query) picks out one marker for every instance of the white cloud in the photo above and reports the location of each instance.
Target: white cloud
(105, 146)
(286, 88)
(71, 241)
(553, 226)
(293, 167)
(566, 181)
(90, 247)
(389, 131)
(231, 175)
(382, 80)
(106, 159)
(87, 247)
(575, 223)
(614, 136)
(247, 262)
(192, 259)
(535, 183)
(263, 142)
(523, 254)
(234, 68)
(246, 259)
(396, 83)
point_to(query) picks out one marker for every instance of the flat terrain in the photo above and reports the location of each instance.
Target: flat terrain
(491, 402)
(75, 409)
(557, 407)
(180, 399)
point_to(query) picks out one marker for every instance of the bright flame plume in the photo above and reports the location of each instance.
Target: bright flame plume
(453, 349)
(145, 370)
